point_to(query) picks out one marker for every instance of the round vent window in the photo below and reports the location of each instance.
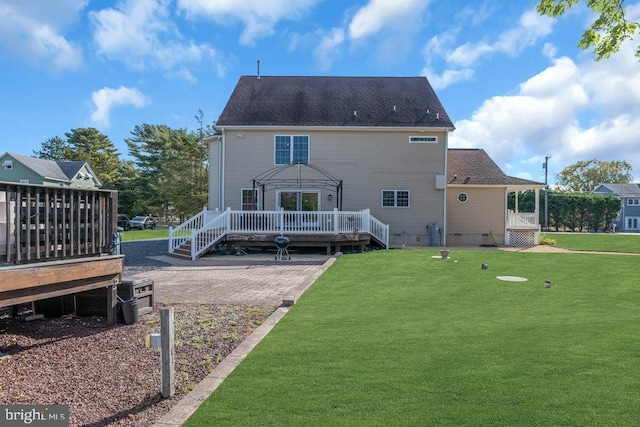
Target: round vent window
(463, 197)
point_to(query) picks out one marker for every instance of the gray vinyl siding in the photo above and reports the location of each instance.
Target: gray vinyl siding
(367, 162)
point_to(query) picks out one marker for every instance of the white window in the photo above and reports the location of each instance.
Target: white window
(249, 199)
(7, 165)
(633, 202)
(632, 222)
(291, 149)
(463, 197)
(425, 139)
(395, 198)
(24, 181)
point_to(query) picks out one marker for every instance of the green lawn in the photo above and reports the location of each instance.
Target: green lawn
(608, 242)
(400, 338)
(131, 235)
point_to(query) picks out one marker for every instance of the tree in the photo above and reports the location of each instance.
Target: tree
(95, 148)
(609, 30)
(53, 149)
(584, 176)
(173, 167)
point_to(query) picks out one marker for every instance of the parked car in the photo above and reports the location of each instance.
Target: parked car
(142, 222)
(123, 223)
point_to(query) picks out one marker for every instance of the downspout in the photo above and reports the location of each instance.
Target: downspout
(444, 192)
(221, 171)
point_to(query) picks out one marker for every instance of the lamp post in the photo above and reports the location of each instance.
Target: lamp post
(545, 165)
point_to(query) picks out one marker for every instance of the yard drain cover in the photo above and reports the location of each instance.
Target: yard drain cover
(511, 278)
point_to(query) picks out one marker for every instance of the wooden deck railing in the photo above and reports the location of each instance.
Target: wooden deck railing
(203, 235)
(41, 223)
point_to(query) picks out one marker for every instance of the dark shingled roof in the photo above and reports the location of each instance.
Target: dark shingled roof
(473, 166)
(332, 101)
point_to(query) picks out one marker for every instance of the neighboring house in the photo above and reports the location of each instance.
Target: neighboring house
(376, 145)
(629, 216)
(477, 211)
(31, 170)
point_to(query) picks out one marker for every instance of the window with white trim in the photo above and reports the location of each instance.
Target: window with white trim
(632, 222)
(7, 165)
(463, 197)
(633, 202)
(24, 181)
(395, 198)
(249, 199)
(423, 139)
(291, 149)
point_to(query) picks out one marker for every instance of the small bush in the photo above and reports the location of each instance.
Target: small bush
(546, 240)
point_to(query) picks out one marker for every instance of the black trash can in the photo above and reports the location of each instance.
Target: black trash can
(129, 310)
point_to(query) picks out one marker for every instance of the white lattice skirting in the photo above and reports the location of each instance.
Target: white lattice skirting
(523, 238)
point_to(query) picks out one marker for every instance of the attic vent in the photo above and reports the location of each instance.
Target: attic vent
(88, 176)
(80, 175)
(426, 139)
(7, 165)
(355, 113)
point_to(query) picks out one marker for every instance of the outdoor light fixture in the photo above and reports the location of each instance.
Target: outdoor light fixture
(329, 197)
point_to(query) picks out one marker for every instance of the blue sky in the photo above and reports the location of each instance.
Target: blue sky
(513, 82)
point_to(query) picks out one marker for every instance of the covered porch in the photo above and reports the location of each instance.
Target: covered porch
(522, 228)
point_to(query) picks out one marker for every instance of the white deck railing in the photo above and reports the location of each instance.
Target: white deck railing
(522, 220)
(208, 227)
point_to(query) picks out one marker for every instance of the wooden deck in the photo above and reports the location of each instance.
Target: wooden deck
(57, 241)
(332, 242)
(33, 282)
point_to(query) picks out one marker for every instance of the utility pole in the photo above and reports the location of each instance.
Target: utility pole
(546, 192)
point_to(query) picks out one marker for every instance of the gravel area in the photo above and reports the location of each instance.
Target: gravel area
(136, 255)
(105, 373)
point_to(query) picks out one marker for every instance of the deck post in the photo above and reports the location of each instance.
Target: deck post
(335, 221)
(282, 221)
(170, 238)
(366, 220)
(112, 304)
(193, 244)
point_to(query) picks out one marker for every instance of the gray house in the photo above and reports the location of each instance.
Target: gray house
(629, 216)
(31, 170)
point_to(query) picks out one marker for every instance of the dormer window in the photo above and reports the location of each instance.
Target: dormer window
(7, 165)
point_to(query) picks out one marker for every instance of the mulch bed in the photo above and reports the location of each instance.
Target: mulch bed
(105, 373)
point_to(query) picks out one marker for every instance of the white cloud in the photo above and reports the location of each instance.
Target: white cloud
(460, 60)
(572, 111)
(325, 52)
(379, 14)
(107, 98)
(258, 16)
(35, 31)
(140, 33)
